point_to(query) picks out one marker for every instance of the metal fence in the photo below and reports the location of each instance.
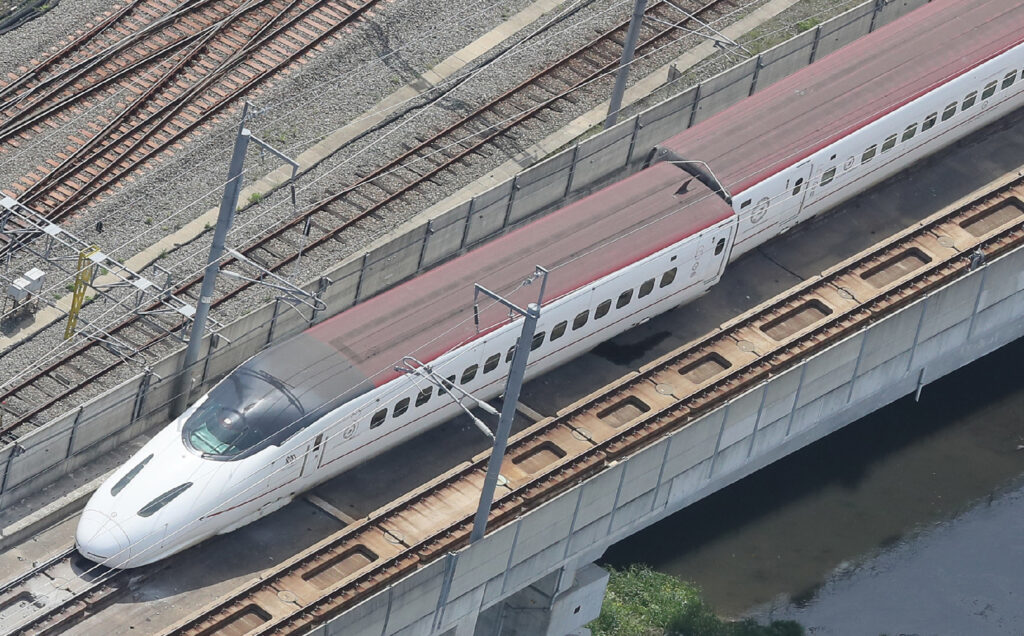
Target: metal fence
(142, 403)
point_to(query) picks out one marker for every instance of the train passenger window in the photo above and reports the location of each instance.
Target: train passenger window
(538, 340)
(745, 204)
(400, 407)
(490, 364)
(646, 288)
(602, 309)
(889, 142)
(949, 111)
(990, 90)
(378, 418)
(1009, 79)
(580, 319)
(828, 176)
(446, 384)
(668, 277)
(559, 330)
(468, 374)
(798, 186)
(929, 121)
(909, 132)
(719, 246)
(424, 396)
(969, 100)
(511, 352)
(869, 153)
(624, 299)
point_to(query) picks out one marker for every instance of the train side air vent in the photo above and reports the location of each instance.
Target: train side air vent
(624, 411)
(991, 218)
(130, 475)
(340, 566)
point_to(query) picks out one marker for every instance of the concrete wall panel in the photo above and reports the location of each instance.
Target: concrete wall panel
(483, 560)
(830, 369)
(663, 121)
(589, 535)
(998, 314)
(491, 205)
(688, 482)
(741, 415)
(1005, 278)
(535, 567)
(725, 89)
(950, 306)
(781, 393)
(107, 415)
(598, 496)
(843, 29)
(786, 58)
(890, 10)
(416, 596)
(891, 337)
(43, 449)
(392, 262)
(445, 235)
(632, 511)
(541, 186)
(732, 457)
(875, 379)
(483, 225)
(366, 618)
(693, 444)
(770, 435)
(342, 292)
(602, 154)
(936, 346)
(642, 472)
(545, 523)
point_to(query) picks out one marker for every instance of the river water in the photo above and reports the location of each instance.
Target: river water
(908, 521)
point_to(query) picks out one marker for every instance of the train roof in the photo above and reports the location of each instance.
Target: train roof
(860, 82)
(580, 243)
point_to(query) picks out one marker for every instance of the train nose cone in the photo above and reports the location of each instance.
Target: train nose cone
(99, 538)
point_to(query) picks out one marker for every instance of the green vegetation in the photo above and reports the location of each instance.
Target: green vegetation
(641, 602)
(255, 198)
(809, 23)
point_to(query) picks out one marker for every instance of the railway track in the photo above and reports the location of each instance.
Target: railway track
(323, 222)
(152, 73)
(57, 593)
(556, 454)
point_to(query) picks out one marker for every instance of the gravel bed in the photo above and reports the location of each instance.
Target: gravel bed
(314, 100)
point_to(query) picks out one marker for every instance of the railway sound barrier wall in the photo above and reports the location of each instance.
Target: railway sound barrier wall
(891, 358)
(141, 403)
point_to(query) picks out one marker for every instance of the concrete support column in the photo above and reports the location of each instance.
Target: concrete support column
(549, 607)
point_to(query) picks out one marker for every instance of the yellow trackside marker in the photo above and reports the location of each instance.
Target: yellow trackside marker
(82, 279)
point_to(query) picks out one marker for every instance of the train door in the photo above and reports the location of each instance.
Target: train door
(313, 456)
(793, 199)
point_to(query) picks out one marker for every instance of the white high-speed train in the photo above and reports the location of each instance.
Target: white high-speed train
(325, 400)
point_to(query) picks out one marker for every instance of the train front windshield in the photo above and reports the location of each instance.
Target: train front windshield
(241, 413)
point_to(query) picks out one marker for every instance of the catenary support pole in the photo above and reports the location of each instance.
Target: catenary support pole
(228, 205)
(627, 58)
(508, 411)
